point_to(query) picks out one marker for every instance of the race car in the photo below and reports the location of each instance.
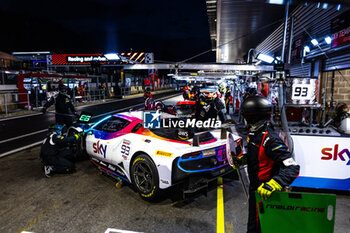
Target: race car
(185, 109)
(155, 159)
(209, 92)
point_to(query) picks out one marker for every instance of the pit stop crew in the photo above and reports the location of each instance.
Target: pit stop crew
(228, 98)
(55, 153)
(63, 104)
(270, 164)
(147, 93)
(186, 92)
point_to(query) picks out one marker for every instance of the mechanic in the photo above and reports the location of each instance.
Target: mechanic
(63, 104)
(270, 164)
(186, 92)
(147, 93)
(228, 98)
(55, 153)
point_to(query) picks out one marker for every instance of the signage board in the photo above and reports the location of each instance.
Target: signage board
(324, 162)
(291, 212)
(340, 28)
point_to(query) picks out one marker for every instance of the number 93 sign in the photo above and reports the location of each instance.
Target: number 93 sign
(302, 92)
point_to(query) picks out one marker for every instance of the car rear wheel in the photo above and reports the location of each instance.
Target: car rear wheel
(145, 178)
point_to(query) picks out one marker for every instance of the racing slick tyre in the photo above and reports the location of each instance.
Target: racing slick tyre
(76, 147)
(145, 177)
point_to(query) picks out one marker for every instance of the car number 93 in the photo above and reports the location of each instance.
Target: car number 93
(125, 150)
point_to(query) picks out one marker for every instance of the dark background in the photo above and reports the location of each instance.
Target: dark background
(173, 30)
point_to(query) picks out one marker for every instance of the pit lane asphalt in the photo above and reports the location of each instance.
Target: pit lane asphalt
(34, 128)
(87, 202)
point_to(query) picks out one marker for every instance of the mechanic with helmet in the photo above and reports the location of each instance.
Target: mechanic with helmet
(147, 93)
(63, 104)
(55, 153)
(270, 164)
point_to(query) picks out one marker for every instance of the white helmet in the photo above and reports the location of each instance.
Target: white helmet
(345, 125)
(222, 87)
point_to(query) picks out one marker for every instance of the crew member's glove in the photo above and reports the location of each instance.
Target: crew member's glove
(239, 161)
(77, 136)
(43, 110)
(266, 189)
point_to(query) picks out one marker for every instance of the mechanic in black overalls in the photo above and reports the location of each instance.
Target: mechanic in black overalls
(63, 104)
(55, 153)
(227, 99)
(270, 164)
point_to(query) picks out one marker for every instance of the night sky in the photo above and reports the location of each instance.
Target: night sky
(173, 30)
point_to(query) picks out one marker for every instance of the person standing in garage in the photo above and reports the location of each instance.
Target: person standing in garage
(270, 164)
(228, 98)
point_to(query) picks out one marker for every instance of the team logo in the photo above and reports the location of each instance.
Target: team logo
(336, 154)
(151, 120)
(100, 148)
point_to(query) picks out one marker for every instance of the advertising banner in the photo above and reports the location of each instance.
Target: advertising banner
(340, 28)
(78, 59)
(324, 162)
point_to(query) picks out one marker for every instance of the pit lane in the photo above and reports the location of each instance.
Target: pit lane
(87, 201)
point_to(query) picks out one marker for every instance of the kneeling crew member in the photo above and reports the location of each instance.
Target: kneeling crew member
(55, 154)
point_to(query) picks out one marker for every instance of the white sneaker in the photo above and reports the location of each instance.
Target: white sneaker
(48, 171)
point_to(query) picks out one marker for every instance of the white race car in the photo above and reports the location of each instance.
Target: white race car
(156, 159)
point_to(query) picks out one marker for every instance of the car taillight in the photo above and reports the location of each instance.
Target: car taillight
(239, 147)
(191, 155)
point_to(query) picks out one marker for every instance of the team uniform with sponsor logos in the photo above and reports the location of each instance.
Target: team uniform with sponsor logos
(63, 104)
(268, 158)
(56, 154)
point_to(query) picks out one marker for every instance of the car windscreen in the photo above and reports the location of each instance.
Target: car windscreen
(182, 134)
(112, 125)
(184, 109)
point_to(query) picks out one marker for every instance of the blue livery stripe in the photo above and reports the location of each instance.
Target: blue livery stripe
(322, 183)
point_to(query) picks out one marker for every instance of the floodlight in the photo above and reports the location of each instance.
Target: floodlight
(314, 42)
(112, 56)
(280, 2)
(306, 49)
(265, 58)
(328, 39)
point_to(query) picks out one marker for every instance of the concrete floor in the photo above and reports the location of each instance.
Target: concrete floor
(88, 202)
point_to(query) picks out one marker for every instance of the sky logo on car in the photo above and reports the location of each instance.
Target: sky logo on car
(100, 148)
(335, 155)
(151, 120)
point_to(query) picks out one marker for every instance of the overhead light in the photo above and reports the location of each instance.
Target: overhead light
(280, 2)
(265, 58)
(112, 56)
(338, 7)
(314, 42)
(328, 39)
(325, 5)
(306, 49)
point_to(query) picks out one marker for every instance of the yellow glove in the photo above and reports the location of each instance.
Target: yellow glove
(239, 161)
(77, 136)
(266, 189)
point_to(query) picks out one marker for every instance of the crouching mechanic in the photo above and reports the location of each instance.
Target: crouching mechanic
(270, 164)
(55, 153)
